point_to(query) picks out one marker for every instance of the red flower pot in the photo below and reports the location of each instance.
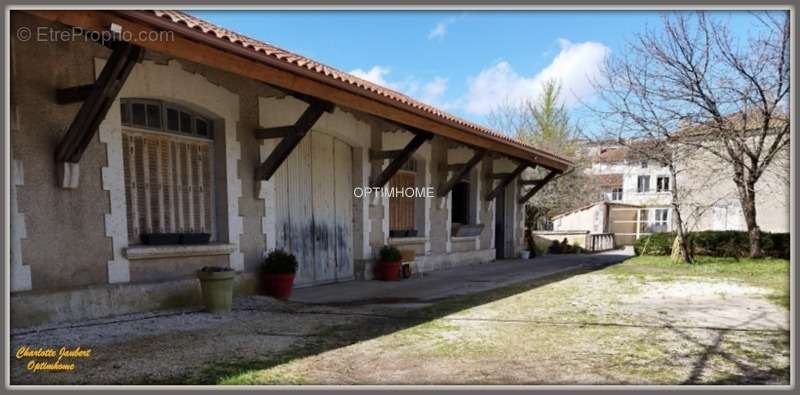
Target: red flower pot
(278, 285)
(389, 271)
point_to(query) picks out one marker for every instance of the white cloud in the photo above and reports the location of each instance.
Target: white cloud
(430, 92)
(433, 91)
(375, 74)
(575, 66)
(440, 30)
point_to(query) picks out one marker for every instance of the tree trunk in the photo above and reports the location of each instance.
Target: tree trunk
(684, 254)
(747, 199)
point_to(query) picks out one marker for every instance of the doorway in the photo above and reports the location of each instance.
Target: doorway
(500, 224)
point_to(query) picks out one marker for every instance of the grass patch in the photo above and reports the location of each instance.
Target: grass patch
(767, 273)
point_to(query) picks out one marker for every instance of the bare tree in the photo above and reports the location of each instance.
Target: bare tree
(545, 123)
(694, 84)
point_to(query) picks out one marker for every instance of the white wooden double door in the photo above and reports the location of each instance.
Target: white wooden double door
(314, 209)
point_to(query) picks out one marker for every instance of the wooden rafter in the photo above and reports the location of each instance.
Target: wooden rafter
(499, 176)
(505, 181)
(460, 173)
(296, 133)
(100, 96)
(538, 186)
(398, 162)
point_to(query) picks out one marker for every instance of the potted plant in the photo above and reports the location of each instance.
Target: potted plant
(217, 286)
(389, 265)
(277, 273)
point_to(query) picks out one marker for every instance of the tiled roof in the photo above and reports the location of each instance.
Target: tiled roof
(611, 154)
(330, 72)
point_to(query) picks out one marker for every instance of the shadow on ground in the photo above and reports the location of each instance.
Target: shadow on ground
(378, 324)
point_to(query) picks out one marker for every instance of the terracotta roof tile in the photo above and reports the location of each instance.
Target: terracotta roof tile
(301, 61)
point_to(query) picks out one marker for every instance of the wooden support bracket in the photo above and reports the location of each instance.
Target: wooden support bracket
(97, 102)
(462, 171)
(531, 182)
(294, 135)
(73, 94)
(499, 176)
(398, 161)
(539, 185)
(274, 133)
(507, 180)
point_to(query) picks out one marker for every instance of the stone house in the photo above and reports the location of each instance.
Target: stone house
(636, 196)
(170, 125)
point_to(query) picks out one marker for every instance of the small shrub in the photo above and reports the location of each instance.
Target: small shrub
(390, 254)
(776, 245)
(717, 243)
(279, 262)
(555, 247)
(654, 244)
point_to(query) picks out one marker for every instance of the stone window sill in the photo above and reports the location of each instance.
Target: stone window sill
(177, 251)
(464, 238)
(407, 240)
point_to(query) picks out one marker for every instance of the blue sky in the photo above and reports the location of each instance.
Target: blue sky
(465, 62)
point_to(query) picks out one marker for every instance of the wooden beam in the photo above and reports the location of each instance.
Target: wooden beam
(531, 182)
(383, 155)
(73, 94)
(400, 159)
(95, 107)
(499, 176)
(504, 182)
(446, 187)
(528, 195)
(220, 54)
(274, 133)
(300, 128)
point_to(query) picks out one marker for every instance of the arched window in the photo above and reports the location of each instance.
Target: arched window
(168, 163)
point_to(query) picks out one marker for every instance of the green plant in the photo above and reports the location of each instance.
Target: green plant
(279, 262)
(390, 254)
(657, 244)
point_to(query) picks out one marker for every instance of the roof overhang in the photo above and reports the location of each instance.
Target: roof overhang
(219, 53)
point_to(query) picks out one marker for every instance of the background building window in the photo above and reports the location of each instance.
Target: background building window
(662, 184)
(402, 209)
(643, 184)
(168, 175)
(616, 194)
(660, 223)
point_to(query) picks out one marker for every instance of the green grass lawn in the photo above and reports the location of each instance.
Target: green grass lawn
(766, 273)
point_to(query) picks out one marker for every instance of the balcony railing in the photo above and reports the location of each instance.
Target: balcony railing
(600, 242)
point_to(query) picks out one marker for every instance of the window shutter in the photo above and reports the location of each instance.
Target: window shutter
(168, 185)
(401, 208)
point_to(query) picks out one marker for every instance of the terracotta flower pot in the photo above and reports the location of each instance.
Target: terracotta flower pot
(389, 271)
(278, 285)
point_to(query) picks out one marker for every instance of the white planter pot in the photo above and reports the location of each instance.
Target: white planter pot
(526, 254)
